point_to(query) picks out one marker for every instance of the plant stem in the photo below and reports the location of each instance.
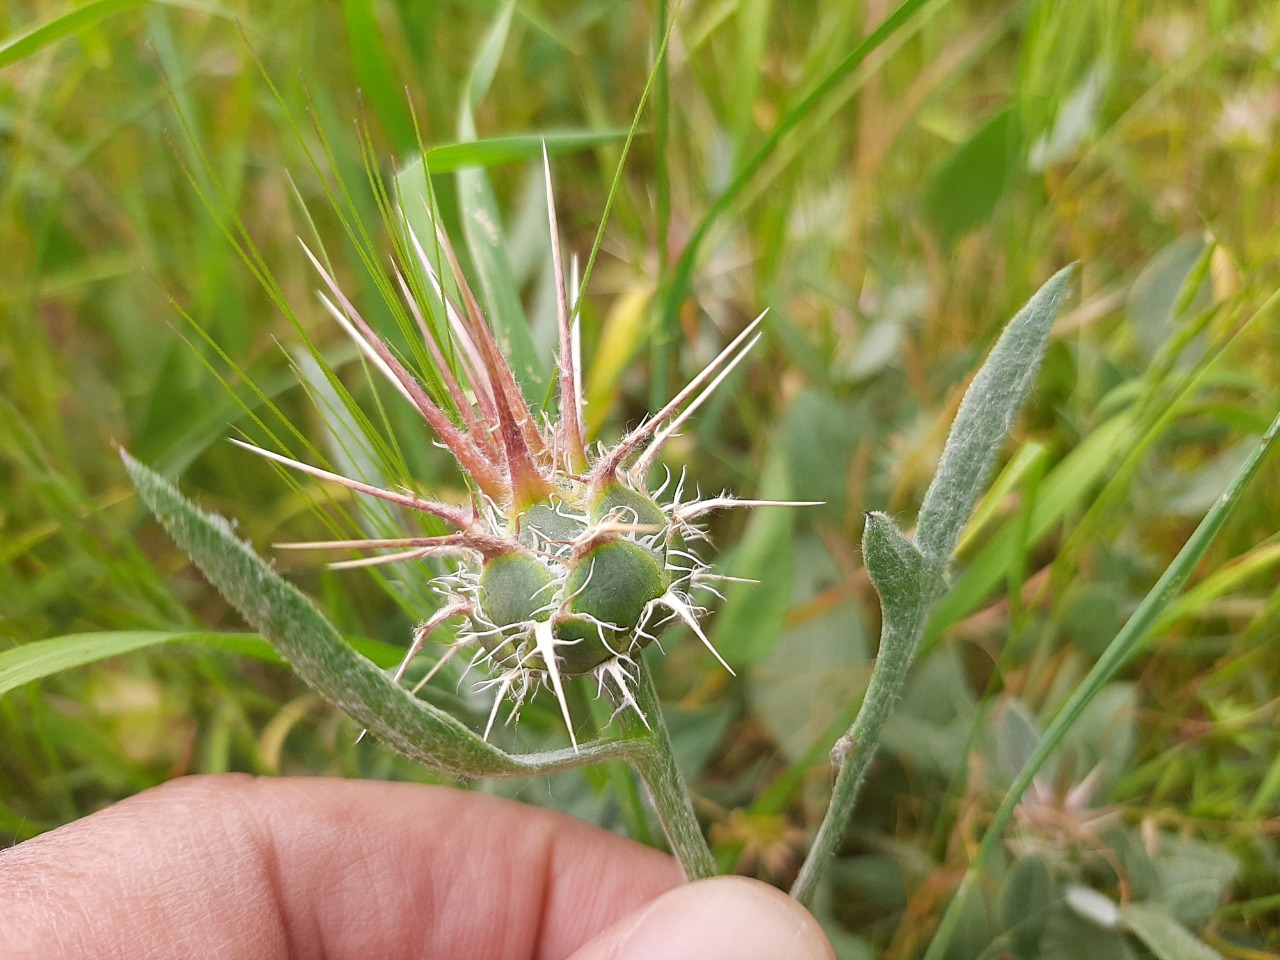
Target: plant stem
(853, 752)
(656, 764)
(622, 779)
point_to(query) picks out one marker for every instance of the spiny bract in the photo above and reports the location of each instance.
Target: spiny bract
(570, 566)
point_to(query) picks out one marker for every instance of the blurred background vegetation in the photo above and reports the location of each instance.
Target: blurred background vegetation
(906, 213)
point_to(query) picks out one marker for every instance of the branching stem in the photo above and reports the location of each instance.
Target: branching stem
(853, 752)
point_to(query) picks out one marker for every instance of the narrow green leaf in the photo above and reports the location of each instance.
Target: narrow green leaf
(315, 650)
(375, 73)
(1164, 936)
(62, 26)
(486, 241)
(34, 661)
(1061, 492)
(496, 151)
(753, 34)
(985, 415)
(485, 66)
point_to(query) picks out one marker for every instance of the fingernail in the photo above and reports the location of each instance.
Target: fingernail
(725, 918)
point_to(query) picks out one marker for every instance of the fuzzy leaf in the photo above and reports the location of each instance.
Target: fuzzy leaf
(1164, 936)
(899, 571)
(985, 415)
(1027, 898)
(315, 650)
(1067, 485)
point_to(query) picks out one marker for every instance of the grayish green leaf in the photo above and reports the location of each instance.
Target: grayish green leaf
(1095, 907)
(1070, 937)
(1016, 735)
(899, 571)
(1072, 122)
(1160, 289)
(1192, 876)
(1164, 936)
(805, 682)
(985, 415)
(1027, 898)
(929, 728)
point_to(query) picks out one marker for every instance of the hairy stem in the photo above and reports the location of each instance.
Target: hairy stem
(853, 752)
(656, 764)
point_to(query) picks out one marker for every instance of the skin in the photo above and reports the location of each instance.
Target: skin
(237, 867)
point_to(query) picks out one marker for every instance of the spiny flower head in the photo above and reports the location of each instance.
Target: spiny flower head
(569, 565)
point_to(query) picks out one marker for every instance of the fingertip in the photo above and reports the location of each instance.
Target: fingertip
(724, 918)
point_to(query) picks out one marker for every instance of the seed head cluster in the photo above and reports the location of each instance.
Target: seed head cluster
(569, 565)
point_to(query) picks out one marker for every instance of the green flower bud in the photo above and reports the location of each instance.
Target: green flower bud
(514, 589)
(627, 506)
(615, 581)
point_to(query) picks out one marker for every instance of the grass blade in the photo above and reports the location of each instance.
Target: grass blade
(495, 151)
(376, 75)
(60, 27)
(35, 661)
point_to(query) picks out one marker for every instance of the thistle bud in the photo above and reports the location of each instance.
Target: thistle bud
(569, 566)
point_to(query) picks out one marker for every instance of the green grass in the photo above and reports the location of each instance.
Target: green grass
(891, 222)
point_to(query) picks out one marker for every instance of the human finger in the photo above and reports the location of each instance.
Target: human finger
(724, 918)
(237, 867)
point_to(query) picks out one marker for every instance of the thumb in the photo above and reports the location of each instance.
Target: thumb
(725, 918)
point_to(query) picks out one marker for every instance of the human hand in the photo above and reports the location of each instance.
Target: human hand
(236, 867)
